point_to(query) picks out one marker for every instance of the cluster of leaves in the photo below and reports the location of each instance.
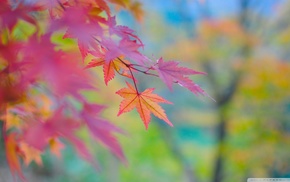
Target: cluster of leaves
(43, 85)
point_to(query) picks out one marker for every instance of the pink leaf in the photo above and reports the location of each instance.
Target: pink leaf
(101, 129)
(170, 73)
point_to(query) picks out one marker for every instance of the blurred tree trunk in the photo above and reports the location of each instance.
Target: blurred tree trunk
(189, 174)
(224, 97)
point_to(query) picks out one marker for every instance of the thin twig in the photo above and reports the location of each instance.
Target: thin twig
(134, 81)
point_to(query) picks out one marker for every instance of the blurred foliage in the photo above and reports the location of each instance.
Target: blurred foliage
(238, 57)
(247, 52)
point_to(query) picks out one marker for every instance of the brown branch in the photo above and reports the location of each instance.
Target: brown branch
(229, 92)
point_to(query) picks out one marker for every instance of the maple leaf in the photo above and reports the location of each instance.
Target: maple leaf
(9, 16)
(56, 146)
(76, 20)
(110, 67)
(170, 73)
(130, 48)
(145, 103)
(11, 148)
(193, 87)
(57, 125)
(30, 154)
(101, 129)
(12, 85)
(122, 31)
(104, 6)
(109, 70)
(125, 47)
(61, 70)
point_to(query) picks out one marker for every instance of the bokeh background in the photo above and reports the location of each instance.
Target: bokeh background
(244, 46)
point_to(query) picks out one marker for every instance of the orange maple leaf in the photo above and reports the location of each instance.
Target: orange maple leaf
(12, 155)
(110, 67)
(30, 154)
(145, 103)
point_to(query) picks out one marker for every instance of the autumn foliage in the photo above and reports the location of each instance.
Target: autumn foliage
(44, 82)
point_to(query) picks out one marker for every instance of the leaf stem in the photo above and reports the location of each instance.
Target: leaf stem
(145, 72)
(136, 69)
(130, 67)
(133, 78)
